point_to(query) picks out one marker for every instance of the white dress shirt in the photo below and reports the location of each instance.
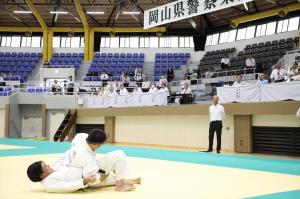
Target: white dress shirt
(278, 74)
(186, 90)
(236, 83)
(104, 77)
(161, 81)
(216, 112)
(152, 90)
(225, 61)
(250, 62)
(123, 91)
(162, 90)
(137, 91)
(146, 84)
(1, 79)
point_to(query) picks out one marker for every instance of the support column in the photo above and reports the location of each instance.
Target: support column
(109, 128)
(91, 45)
(243, 133)
(45, 45)
(50, 44)
(86, 44)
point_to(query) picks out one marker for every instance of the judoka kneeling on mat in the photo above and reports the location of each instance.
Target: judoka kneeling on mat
(78, 168)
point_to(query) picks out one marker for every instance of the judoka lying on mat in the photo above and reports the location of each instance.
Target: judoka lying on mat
(78, 168)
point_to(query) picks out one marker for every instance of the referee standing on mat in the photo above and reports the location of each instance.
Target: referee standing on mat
(217, 115)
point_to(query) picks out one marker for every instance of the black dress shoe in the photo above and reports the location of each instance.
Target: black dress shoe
(218, 151)
(208, 151)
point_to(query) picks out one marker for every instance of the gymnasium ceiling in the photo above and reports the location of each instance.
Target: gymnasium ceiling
(113, 16)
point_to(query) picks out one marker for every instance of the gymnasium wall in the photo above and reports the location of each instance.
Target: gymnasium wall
(54, 117)
(171, 130)
(90, 120)
(276, 120)
(31, 116)
(2, 122)
(23, 49)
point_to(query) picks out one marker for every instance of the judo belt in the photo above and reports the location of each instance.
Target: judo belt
(101, 171)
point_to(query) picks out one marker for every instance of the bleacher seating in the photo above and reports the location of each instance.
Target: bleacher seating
(163, 61)
(114, 64)
(5, 91)
(19, 65)
(212, 59)
(266, 54)
(38, 89)
(66, 60)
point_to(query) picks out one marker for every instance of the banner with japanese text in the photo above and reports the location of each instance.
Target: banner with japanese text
(184, 9)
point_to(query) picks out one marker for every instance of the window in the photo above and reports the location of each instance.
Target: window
(208, 40)
(16, 41)
(56, 42)
(215, 39)
(105, 42)
(3, 41)
(144, 42)
(174, 42)
(241, 34)
(282, 26)
(81, 42)
(224, 37)
(36, 42)
(68, 42)
(75, 42)
(250, 32)
(124, 42)
(232, 35)
(134, 42)
(63, 42)
(153, 42)
(26, 42)
(186, 42)
(271, 28)
(114, 42)
(293, 24)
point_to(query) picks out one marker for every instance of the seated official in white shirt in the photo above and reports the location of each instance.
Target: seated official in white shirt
(123, 90)
(137, 89)
(262, 79)
(294, 72)
(250, 62)
(225, 62)
(186, 89)
(152, 88)
(278, 74)
(238, 81)
(125, 79)
(161, 80)
(164, 88)
(146, 84)
(110, 91)
(216, 115)
(186, 80)
(104, 78)
(100, 91)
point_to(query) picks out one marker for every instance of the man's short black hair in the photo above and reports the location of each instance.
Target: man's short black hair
(96, 136)
(34, 171)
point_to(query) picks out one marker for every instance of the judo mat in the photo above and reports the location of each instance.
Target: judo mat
(165, 173)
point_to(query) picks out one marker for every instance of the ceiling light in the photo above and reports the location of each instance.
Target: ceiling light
(130, 13)
(22, 11)
(245, 5)
(59, 12)
(95, 12)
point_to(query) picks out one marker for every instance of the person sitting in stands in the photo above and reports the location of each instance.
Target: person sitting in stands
(110, 91)
(164, 88)
(56, 88)
(2, 81)
(146, 84)
(123, 90)
(152, 88)
(186, 89)
(278, 73)
(194, 77)
(293, 71)
(186, 80)
(70, 86)
(209, 73)
(104, 78)
(137, 89)
(296, 77)
(262, 79)
(125, 79)
(250, 62)
(225, 63)
(115, 85)
(161, 80)
(238, 81)
(138, 76)
(100, 91)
